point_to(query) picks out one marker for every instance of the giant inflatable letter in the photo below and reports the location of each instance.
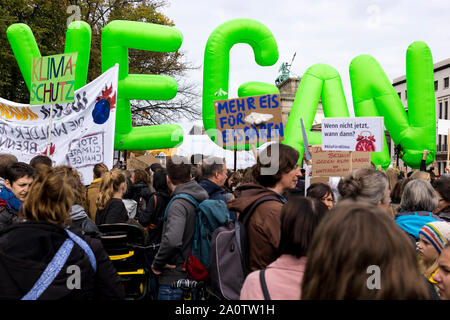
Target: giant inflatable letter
(319, 81)
(117, 37)
(373, 95)
(217, 64)
(25, 48)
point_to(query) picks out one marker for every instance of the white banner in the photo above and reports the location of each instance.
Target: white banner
(353, 134)
(82, 132)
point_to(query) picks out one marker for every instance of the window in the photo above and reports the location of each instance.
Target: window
(439, 142)
(399, 95)
(446, 110)
(445, 83)
(435, 85)
(440, 110)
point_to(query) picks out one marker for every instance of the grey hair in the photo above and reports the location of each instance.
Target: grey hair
(419, 195)
(365, 184)
(211, 166)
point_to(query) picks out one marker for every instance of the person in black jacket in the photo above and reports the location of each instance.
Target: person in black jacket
(151, 217)
(18, 177)
(28, 247)
(109, 201)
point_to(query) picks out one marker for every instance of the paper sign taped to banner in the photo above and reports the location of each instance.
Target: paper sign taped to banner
(53, 79)
(353, 134)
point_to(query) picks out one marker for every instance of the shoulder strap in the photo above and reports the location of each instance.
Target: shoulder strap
(180, 196)
(50, 273)
(262, 279)
(248, 213)
(86, 248)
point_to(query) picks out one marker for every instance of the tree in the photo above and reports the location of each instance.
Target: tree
(48, 20)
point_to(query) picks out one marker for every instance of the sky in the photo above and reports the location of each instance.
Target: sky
(318, 31)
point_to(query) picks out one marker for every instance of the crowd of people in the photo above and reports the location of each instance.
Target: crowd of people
(380, 235)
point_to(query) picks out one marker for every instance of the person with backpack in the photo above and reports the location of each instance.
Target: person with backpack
(259, 205)
(178, 229)
(282, 279)
(41, 259)
(152, 217)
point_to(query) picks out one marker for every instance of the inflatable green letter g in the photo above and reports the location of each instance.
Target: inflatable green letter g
(217, 63)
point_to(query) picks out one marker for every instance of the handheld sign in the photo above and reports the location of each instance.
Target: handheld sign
(53, 79)
(248, 120)
(353, 134)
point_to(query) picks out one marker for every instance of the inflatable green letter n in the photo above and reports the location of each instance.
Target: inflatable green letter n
(319, 81)
(217, 64)
(373, 96)
(25, 48)
(117, 37)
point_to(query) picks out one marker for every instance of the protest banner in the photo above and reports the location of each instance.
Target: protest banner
(353, 134)
(81, 133)
(53, 79)
(248, 120)
(327, 163)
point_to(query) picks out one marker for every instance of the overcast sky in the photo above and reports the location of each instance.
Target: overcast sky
(319, 31)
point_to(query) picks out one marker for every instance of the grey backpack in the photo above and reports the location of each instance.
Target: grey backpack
(229, 254)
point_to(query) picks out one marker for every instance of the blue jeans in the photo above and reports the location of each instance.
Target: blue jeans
(167, 293)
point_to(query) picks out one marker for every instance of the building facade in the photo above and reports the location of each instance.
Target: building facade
(442, 95)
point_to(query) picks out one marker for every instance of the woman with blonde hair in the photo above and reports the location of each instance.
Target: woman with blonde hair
(347, 259)
(39, 256)
(111, 208)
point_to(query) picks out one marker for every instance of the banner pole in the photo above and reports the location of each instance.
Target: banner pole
(49, 141)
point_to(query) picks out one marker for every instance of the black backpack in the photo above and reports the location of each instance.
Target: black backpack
(229, 265)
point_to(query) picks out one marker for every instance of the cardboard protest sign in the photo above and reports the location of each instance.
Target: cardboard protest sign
(329, 163)
(248, 120)
(337, 163)
(81, 133)
(53, 79)
(353, 134)
(360, 159)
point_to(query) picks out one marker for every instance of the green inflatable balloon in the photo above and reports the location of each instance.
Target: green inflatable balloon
(25, 48)
(217, 64)
(320, 81)
(255, 88)
(117, 37)
(373, 96)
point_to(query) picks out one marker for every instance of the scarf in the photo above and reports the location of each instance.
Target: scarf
(10, 198)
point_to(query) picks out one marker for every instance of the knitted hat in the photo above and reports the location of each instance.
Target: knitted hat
(438, 233)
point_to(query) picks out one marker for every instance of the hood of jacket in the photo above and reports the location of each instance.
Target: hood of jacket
(10, 198)
(246, 194)
(77, 212)
(193, 189)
